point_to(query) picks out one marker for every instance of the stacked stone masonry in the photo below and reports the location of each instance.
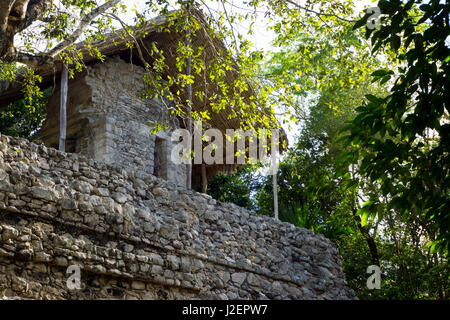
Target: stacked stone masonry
(135, 236)
(109, 122)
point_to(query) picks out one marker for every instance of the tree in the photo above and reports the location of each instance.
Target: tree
(19, 15)
(330, 67)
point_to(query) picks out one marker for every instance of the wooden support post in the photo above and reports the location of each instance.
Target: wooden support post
(63, 109)
(204, 179)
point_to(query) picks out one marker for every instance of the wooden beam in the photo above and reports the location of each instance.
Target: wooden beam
(63, 109)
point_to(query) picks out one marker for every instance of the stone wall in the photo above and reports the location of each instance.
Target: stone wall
(136, 236)
(108, 121)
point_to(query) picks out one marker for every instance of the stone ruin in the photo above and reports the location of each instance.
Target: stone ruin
(136, 236)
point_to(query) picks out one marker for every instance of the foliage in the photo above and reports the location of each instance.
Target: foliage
(49, 32)
(401, 141)
(381, 193)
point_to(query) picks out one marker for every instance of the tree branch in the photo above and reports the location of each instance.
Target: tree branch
(83, 25)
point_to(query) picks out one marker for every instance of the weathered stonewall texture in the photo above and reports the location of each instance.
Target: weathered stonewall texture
(137, 236)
